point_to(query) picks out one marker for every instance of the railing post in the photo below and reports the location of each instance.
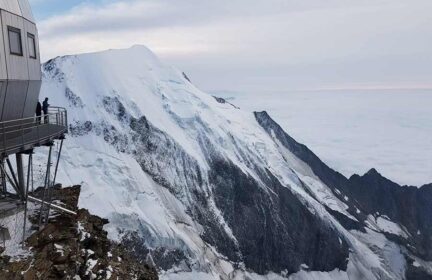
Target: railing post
(37, 129)
(4, 139)
(22, 132)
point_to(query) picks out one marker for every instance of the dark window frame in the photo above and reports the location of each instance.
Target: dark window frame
(33, 37)
(18, 31)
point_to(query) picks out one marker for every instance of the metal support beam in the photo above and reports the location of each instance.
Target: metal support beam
(53, 182)
(3, 176)
(29, 168)
(58, 161)
(20, 172)
(54, 206)
(13, 181)
(46, 186)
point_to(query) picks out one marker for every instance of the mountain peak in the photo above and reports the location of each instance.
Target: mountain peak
(372, 172)
(262, 114)
(133, 54)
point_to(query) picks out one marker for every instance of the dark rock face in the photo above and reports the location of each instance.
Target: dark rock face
(415, 273)
(334, 180)
(74, 100)
(330, 177)
(274, 230)
(410, 207)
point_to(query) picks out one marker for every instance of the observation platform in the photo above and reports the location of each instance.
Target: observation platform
(24, 134)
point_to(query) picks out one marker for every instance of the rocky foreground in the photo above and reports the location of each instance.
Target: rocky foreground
(74, 247)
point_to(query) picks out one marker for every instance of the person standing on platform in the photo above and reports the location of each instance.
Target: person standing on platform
(45, 106)
(38, 112)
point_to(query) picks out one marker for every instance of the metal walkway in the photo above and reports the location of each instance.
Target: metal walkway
(20, 137)
(25, 134)
(33, 137)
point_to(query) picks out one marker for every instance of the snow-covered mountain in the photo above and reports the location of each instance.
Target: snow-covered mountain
(207, 191)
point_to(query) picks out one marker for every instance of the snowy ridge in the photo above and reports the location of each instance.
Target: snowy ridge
(159, 158)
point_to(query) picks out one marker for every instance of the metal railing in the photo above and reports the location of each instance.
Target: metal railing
(22, 134)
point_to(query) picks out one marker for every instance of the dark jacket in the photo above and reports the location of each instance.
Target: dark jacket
(45, 106)
(38, 109)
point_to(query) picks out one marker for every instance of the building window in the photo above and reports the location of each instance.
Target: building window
(32, 45)
(15, 44)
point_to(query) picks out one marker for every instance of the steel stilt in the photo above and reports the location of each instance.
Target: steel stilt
(53, 181)
(20, 172)
(46, 185)
(3, 177)
(15, 181)
(11, 181)
(29, 168)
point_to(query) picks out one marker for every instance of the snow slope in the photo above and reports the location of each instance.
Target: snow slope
(145, 143)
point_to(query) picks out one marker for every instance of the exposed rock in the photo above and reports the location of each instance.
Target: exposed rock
(74, 246)
(74, 99)
(186, 77)
(162, 258)
(223, 101)
(275, 231)
(408, 206)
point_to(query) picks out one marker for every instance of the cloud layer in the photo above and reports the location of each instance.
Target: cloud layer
(272, 44)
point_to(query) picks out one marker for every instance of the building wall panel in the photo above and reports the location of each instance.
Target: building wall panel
(34, 66)
(32, 99)
(11, 6)
(3, 70)
(17, 67)
(3, 86)
(26, 10)
(16, 93)
(20, 76)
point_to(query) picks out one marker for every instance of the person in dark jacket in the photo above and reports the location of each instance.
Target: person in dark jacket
(38, 112)
(45, 106)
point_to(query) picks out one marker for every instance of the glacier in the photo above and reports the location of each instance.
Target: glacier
(205, 190)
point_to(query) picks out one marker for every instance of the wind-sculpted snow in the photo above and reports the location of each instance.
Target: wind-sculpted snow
(199, 186)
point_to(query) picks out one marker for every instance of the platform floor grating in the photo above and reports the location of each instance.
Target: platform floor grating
(11, 143)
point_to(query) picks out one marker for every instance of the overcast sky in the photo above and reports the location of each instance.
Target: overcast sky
(256, 44)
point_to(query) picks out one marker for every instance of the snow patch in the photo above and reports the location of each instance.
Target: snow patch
(383, 224)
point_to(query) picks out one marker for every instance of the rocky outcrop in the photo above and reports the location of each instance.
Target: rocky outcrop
(74, 247)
